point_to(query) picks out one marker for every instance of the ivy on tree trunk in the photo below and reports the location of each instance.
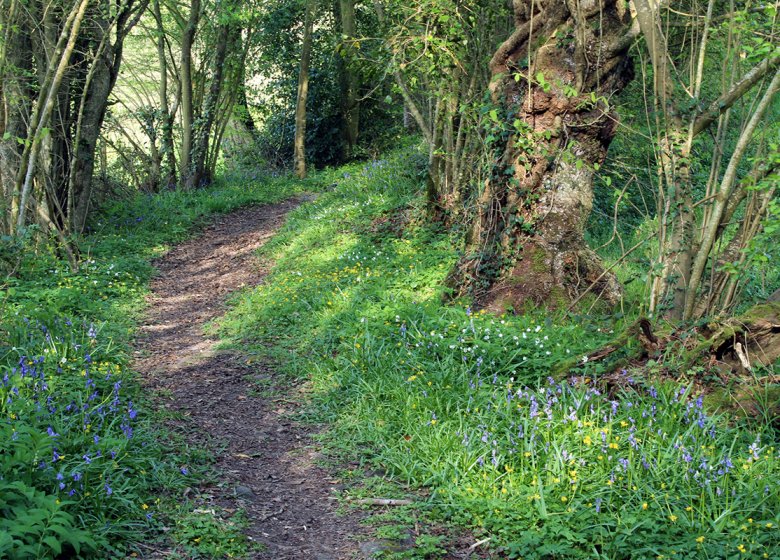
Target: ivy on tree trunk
(552, 123)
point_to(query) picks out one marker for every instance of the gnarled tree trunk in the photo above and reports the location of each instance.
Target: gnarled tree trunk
(552, 79)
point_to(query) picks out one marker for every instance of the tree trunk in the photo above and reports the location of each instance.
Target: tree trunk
(299, 143)
(198, 177)
(16, 94)
(348, 81)
(243, 113)
(44, 107)
(100, 81)
(187, 110)
(166, 139)
(527, 243)
(686, 237)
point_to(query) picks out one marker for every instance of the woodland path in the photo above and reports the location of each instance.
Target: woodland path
(267, 463)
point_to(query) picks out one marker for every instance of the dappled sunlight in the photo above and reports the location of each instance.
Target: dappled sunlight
(461, 400)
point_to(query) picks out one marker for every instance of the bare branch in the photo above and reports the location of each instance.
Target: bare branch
(739, 89)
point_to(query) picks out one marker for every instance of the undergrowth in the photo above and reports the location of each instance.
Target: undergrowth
(85, 468)
(459, 402)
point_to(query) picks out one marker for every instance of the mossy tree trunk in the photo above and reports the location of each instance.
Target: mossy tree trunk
(552, 80)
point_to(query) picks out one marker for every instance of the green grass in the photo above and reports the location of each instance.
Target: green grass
(459, 402)
(440, 397)
(86, 470)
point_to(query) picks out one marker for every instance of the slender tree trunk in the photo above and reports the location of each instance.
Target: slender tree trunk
(242, 105)
(45, 106)
(166, 139)
(100, 81)
(187, 106)
(15, 110)
(299, 143)
(350, 108)
(724, 193)
(198, 177)
(686, 237)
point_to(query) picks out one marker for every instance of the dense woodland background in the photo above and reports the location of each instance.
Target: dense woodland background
(605, 163)
(517, 107)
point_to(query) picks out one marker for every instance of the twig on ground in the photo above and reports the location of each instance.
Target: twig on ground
(383, 502)
(474, 546)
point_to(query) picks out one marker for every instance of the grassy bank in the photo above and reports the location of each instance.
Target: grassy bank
(460, 403)
(85, 468)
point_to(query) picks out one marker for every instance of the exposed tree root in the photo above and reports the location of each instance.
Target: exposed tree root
(731, 346)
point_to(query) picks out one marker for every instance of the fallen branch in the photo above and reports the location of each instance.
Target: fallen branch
(476, 545)
(740, 351)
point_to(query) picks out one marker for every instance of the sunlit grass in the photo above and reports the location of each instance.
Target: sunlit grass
(459, 401)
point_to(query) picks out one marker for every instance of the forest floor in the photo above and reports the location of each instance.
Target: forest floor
(268, 461)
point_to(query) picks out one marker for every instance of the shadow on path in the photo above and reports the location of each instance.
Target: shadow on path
(267, 460)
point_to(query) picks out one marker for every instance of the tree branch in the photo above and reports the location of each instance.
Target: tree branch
(735, 93)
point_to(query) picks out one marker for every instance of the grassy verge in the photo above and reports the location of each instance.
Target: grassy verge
(459, 403)
(85, 469)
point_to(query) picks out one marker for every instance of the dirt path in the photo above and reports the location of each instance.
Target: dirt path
(268, 461)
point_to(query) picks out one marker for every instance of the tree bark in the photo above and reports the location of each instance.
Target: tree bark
(348, 81)
(299, 143)
(722, 197)
(551, 82)
(100, 82)
(198, 176)
(16, 94)
(165, 113)
(187, 106)
(44, 107)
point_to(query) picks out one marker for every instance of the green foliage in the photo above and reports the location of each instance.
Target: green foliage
(84, 468)
(278, 42)
(458, 401)
(34, 524)
(211, 534)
